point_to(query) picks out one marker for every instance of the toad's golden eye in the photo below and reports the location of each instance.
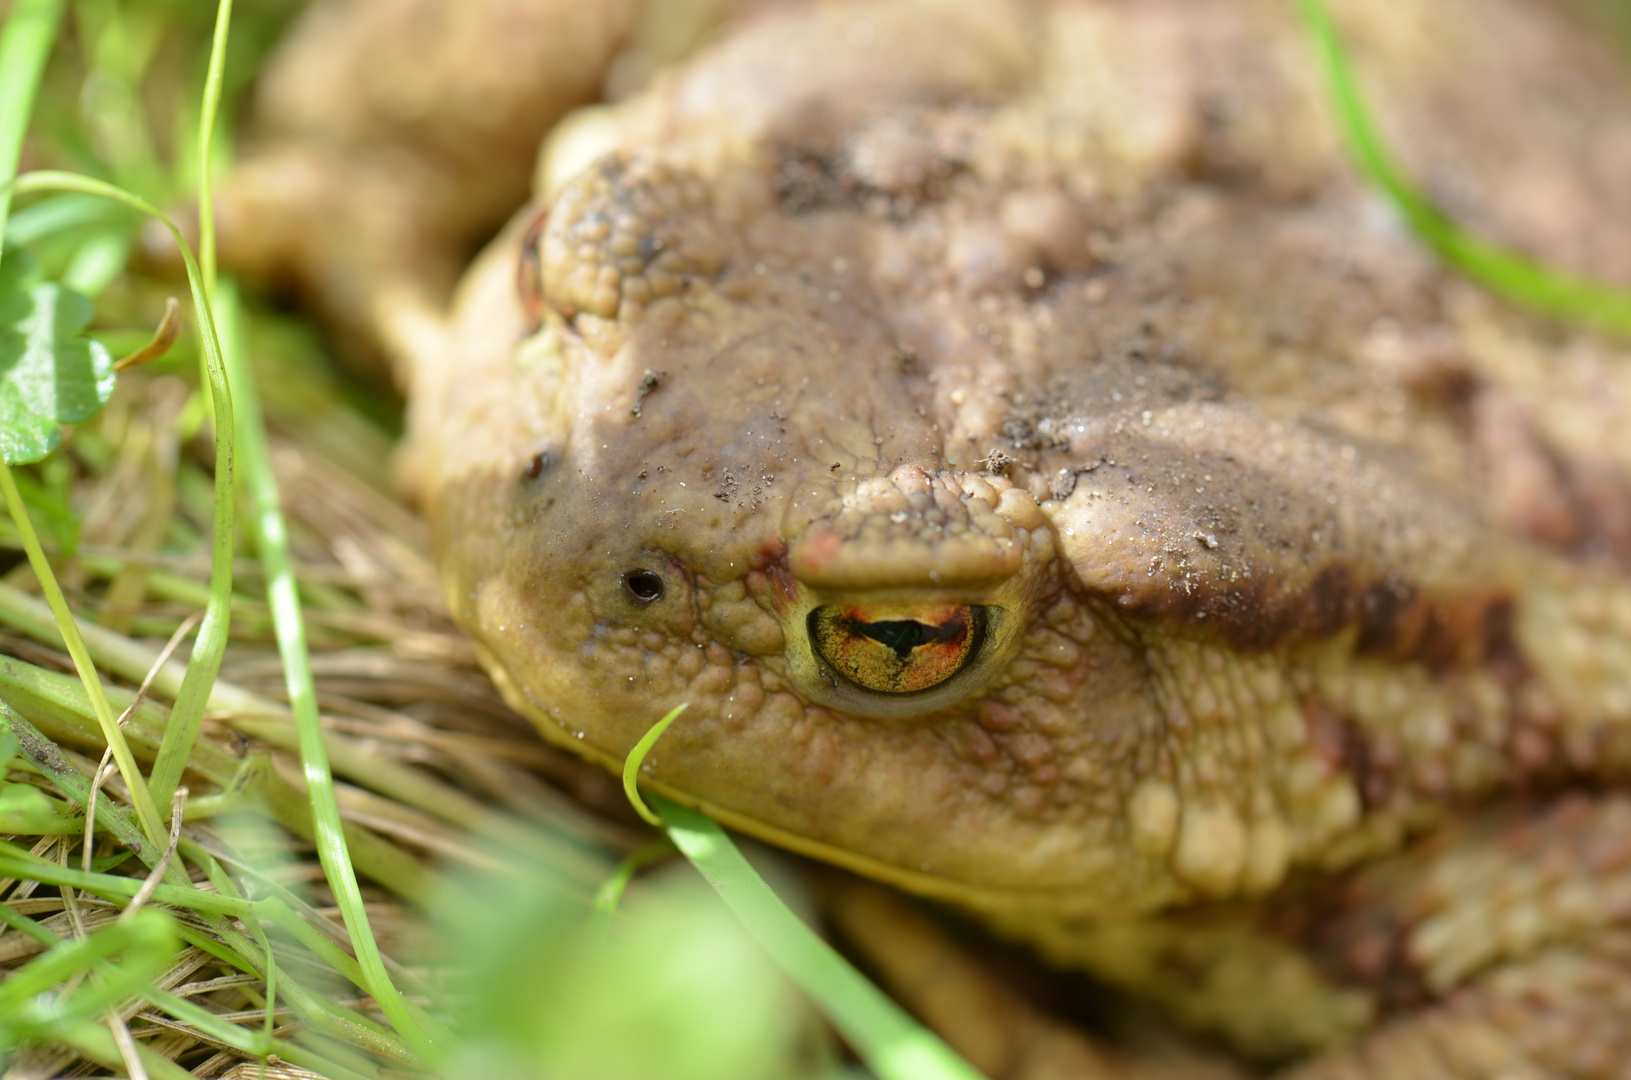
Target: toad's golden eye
(897, 648)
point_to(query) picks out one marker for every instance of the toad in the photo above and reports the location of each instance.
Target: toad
(1059, 488)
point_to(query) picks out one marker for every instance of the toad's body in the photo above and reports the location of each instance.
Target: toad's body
(1055, 486)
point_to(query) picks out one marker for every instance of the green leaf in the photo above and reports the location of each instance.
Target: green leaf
(50, 374)
(25, 810)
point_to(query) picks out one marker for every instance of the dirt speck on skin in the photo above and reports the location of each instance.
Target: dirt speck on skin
(650, 380)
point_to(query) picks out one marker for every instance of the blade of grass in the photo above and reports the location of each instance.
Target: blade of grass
(611, 890)
(233, 947)
(283, 596)
(206, 128)
(97, 1043)
(188, 1012)
(279, 912)
(24, 45)
(141, 799)
(17, 862)
(57, 214)
(353, 1028)
(29, 1011)
(210, 646)
(59, 703)
(224, 884)
(281, 908)
(631, 765)
(893, 1045)
(1508, 274)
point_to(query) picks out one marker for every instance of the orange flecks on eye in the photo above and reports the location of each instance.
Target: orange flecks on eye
(897, 648)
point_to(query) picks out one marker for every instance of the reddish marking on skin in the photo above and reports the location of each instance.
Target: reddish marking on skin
(1031, 750)
(1369, 957)
(1338, 742)
(976, 745)
(784, 585)
(1078, 672)
(771, 552)
(1531, 751)
(774, 585)
(820, 550)
(997, 718)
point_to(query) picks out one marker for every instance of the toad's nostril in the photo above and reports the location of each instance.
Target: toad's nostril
(897, 648)
(644, 585)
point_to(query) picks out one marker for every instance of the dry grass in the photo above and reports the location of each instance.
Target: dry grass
(431, 762)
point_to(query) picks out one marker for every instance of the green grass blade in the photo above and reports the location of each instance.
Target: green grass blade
(24, 45)
(631, 765)
(206, 128)
(322, 1015)
(96, 1043)
(283, 596)
(892, 1044)
(234, 946)
(18, 863)
(146, 810)
(610, 892)
(57, 214)
(1508, 274)
(61, 704)
(189, 1013)
(29, 1011)
(210, 646)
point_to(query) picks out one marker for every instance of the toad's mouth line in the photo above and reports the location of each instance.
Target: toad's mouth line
(1073, 898)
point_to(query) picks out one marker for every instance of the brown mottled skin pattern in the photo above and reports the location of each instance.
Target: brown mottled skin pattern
(1290, 569)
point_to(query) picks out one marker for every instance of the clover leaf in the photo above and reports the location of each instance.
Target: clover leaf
(50, 374)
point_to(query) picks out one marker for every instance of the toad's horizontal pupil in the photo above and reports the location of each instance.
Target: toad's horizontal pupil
(903, 635)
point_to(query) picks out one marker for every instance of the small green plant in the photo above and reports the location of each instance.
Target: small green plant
(50, 376)
(50, 373)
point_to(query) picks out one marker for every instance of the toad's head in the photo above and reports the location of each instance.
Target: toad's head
(701, 466)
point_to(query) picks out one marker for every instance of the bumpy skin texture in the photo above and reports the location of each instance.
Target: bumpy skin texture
(1056, 487)
(393, 135)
